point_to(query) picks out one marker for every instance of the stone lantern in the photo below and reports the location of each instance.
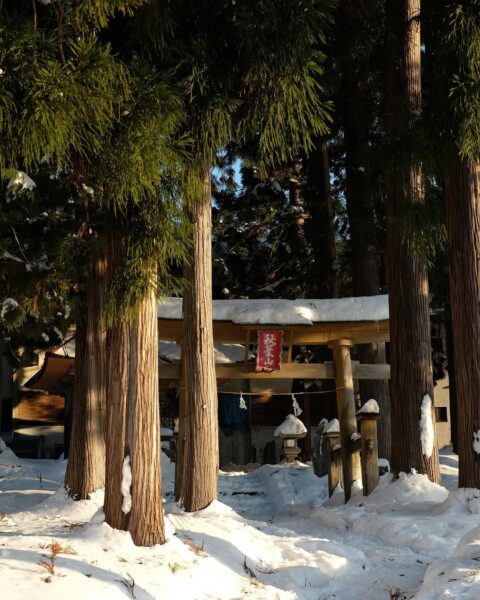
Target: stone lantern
(290, 431)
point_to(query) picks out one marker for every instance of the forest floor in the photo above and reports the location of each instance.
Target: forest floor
(272, 534)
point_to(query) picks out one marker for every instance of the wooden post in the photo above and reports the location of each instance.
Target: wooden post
(308, 424)
(182, 411)
(334, 458)
(368, 432)
(346, 413)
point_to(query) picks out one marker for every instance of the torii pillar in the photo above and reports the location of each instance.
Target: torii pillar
(351, 464)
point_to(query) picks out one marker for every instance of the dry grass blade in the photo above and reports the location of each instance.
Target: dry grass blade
(55, 549)
(253, 576)
(48, 566)
(396, 593)
(266, 570)
(129, 584)
(198, 550)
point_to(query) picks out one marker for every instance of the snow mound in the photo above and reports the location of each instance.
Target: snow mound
(291, 426)
(332, 426)
(406, 489)
(370, 407)
(457, 576)
(279, 489)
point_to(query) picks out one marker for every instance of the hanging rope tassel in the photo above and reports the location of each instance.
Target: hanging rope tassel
(242, 404)
(297, 411)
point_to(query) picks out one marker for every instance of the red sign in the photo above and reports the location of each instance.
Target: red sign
(269, 355)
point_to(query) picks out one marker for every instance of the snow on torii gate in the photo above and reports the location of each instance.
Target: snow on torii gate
(338, 323)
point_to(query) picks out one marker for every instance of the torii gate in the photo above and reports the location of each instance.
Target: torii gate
(337, 323)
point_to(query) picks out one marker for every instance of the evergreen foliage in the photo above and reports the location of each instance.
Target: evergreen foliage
(61, 89)
(34, 223)
(67, 101)
(249, 71)
(255, 244)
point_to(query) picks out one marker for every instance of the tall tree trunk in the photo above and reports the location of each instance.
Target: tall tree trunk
(145, 519)
(181, 436)
(86, 464)
(462, 188)
(118, 351)
(452, 385)
(200, 466)
(411, 365)
(357, 99)
(318, 198)
(365, 260)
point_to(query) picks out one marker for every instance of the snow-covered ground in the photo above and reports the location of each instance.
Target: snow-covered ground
(272, 534)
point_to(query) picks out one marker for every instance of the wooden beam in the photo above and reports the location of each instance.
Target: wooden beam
(319, 333)
(346, 414)
(288, 371)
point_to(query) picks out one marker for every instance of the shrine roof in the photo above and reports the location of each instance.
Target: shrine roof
(287, 312)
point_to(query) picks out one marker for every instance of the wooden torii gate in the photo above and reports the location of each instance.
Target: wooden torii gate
(339, 336)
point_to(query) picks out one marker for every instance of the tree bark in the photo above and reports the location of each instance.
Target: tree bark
(462, 189)
(356, 108)
(118, 353)
(452, 386)
(411, 366)
(181, 441)
(318, 198)
(86, 464)
(200, 467)
(145, 519)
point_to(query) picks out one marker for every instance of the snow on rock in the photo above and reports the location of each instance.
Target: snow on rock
(3, 445)
(126, 485)
(291, 312)
(332, 426)
(370, 407)
(384, 464)
(476, 441)
(427, 432)
(8, 305)
(291, 426)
